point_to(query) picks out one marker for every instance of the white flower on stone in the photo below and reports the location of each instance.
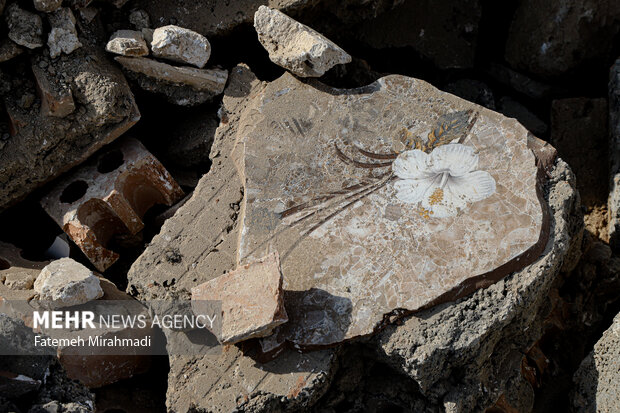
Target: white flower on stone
(443, 181)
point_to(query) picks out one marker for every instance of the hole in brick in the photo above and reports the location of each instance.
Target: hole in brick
(73, 192)
(4, 265)
(110, 161)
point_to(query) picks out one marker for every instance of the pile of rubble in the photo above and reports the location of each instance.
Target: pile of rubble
(408, 226)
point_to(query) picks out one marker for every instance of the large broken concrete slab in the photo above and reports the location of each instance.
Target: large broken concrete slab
(364, 223)
(598, 378)
(181, 85)
(42, 147)
(202, 237)
(453, 350)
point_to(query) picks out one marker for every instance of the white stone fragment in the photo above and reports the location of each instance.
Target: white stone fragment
(181, 45)
(63, 37)
(294, 46)
(65, 282)
(127, 43)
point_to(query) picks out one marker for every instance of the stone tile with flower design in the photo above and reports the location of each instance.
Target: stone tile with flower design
(395, 196)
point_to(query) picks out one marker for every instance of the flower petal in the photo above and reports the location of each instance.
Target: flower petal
(472, 187)
(441, 201)
(411, 190)
(456, 158)
(411, 165)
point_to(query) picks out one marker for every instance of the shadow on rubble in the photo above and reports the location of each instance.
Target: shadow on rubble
(317, 320)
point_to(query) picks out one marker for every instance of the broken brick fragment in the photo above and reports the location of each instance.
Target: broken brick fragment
(252, 299)
(56, 97)
(109, 196)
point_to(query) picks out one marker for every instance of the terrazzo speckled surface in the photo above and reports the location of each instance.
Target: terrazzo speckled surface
(356, 239)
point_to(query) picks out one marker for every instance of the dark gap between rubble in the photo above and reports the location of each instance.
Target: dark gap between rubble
(145, 392)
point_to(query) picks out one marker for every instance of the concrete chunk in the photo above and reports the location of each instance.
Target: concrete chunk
(56, 97)
(105, 109)
(251, 298)
(185, 86)
(66, 282)
(25, 28)
(597, 381)
(294, 46)
(47, 6)
(63, 37)
(181, 45)
(127, 43)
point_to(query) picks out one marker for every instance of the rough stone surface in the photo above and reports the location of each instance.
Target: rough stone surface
(203, 234)
(17, 273)
(294, 46)
(93, 370)
(465, 356)
(41, 366)
(103, 369)
(352, 248)
(47, 6)
(41, 147)
(185, 86)
(25, 28)
(552, 37)
(579, 132)
(423, 25)
(252, 302)
(56, 97)
(127, 43)
(110, 195)
(65, 282)
(614, 155)
(140, 19)
(9, 50)
(598, 378)
(63, 37)
(181, 45)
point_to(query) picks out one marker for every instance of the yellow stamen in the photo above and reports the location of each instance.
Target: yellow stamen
(436, 197)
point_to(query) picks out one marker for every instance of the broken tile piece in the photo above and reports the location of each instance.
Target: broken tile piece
(63, 37)
(65, 282)
(127, 43)
(185, 86)
(109, 195)
(25, 28)
(251, 298)
(333, 183)
(181, 45)
(294, 46)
